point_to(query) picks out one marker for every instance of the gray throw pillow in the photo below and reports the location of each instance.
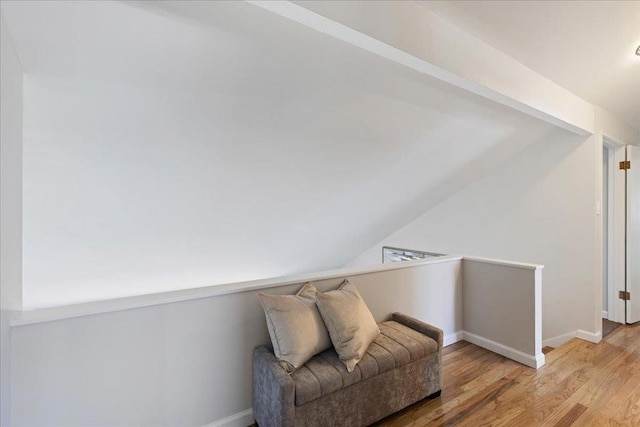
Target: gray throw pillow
(295, 326)
(351, 325)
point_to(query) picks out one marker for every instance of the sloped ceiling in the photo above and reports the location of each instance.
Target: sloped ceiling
(182, 144)
(586, 46)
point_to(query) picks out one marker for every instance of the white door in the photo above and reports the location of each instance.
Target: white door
(633, 234)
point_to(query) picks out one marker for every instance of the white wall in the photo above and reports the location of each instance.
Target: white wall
(10, 207)
(539, 207)
(502, 309)
(615, 129)
(227, 152)
(187, 363)
(11, 158)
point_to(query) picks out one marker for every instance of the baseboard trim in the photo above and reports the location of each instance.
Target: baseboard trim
(532, 361)
(559, 340)
(583, 335)
(605, 314)
(589, 336)
(453, 338)
(239, 419)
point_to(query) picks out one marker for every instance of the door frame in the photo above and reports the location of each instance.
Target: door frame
(616, 209)
(632, 306)
(608, 256)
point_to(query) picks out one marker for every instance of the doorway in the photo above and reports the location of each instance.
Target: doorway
(620, 215)
(609, 317)
(632, 272)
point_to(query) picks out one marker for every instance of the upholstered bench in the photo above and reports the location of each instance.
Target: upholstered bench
(402, 366)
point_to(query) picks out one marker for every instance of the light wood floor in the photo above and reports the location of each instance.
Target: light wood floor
(608, 326)
(582, 384)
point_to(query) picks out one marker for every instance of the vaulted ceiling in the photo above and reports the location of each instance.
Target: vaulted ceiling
(181, 144)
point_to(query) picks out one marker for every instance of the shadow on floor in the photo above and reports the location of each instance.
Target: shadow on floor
(608, 326)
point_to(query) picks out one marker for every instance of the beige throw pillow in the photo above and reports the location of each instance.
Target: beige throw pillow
(350, 323)
(295, 326)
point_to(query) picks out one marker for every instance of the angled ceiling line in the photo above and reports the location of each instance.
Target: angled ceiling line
(322, 24)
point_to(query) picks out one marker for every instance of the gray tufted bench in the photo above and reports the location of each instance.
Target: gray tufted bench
(402, 366)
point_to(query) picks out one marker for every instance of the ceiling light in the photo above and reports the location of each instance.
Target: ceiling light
(638, 51)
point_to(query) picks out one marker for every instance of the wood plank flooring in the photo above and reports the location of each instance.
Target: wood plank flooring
(608, 326)
(582, 384)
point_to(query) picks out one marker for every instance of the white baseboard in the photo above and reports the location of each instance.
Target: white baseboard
(240, 419)
(605, 314)
(584, 335)
(532, 361)
(453, 338)
(559, 340)
(589, 336)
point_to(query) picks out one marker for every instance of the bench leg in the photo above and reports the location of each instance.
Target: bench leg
(434, 395)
